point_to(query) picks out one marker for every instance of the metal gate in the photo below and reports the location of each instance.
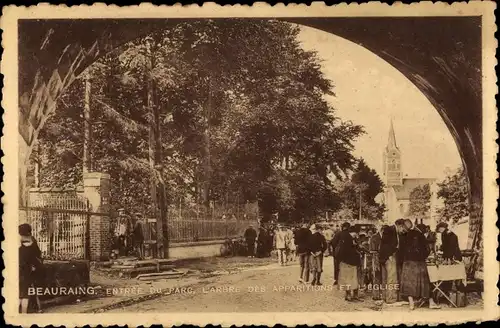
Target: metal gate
(60, 225)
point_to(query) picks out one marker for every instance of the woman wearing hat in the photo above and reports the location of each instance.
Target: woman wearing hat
(30, 265)
(415, 282)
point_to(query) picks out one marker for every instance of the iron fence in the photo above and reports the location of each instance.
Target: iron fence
(198, 223)
(59, 225)
(198, 230)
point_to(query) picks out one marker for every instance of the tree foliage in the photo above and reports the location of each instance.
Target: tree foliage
(359, 193)
(420, 202)
(454, 190)
(243, 118)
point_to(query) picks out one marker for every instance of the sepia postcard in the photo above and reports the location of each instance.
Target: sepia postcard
(250, 165)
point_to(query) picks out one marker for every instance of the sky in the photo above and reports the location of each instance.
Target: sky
(368, 91)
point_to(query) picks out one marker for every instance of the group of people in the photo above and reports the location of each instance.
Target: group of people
(393, 260)
(307, 244)
(128, 235)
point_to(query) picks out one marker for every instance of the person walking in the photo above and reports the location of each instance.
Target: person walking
(317, 248)
(302, 239)
(280, 242)
(350, 259)
(250, 236)
(335, 246)
(389, 246)
(415, 282)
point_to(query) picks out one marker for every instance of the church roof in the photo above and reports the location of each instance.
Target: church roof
(403, 191)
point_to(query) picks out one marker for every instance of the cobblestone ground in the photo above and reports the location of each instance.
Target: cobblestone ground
(270, 288)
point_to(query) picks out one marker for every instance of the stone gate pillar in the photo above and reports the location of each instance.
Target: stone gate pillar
(96, 187)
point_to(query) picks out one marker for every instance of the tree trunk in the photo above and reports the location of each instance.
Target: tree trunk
(158, 198)
(87, 137)
(206, 149)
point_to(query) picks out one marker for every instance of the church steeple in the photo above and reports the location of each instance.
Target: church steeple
(391, 143)
(393, 173)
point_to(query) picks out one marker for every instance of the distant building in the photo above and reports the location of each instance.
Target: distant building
(396, 195)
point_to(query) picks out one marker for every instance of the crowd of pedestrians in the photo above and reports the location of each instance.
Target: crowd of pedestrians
(388, 261)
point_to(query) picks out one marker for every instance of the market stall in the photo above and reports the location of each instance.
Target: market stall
(438, 274)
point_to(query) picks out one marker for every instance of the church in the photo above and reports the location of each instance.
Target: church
(396, 195)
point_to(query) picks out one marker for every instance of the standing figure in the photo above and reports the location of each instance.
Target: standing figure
(121, 232)
(374, 249)
(365, 267)
(350, 260)
(302, 239)
(250, 237)
(389, 247)
(280, 242)
(262, 241)
(431, 238)
(290, 246)
(335, 245)
(317, 247)
(30, 265)
(328, 233)
(415, 282)
(451, 251)
(449, 243)
(138, 236)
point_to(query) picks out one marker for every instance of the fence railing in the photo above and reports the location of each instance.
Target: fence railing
(60, 234)
(246, 212)
(198, 230)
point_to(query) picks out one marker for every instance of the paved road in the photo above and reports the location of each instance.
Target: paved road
(270, 288)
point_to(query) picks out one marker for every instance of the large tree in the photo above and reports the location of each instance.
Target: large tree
(241, 111)
(454, 190)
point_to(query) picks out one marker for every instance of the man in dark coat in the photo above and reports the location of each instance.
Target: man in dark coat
(449, 243)
(335, 246)
(262, 241)
(250, 237)
(301, 239)
(389, 248)
(451, 250)
(317, 246)
(138, 235)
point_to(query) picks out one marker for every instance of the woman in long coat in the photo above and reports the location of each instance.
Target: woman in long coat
(350, 261)
(30, 265)
(415, 282)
